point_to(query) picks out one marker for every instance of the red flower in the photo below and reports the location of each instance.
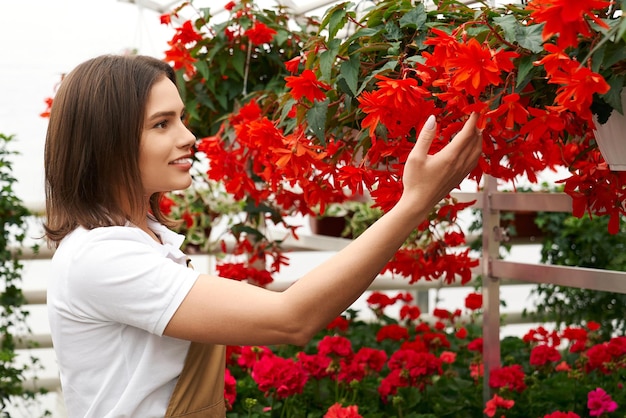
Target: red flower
(566, 18)
(379, 300)
(409, 368)
(474, 301)
(230, 5)
(411, 312)
(435, 339)
(559, 414)
(543, 354)
(477, 370)
(577, 87)
(563, 367)
(416, 363)
(337, 411)
(165, 18)
(283, 377)
(392, 332)
(390, 384)
(292, 65)
(339, 323)
(230, 389)
(306, 85)
(510, 377)
(442, 313)
(476, 345)
(474, 67)
(166, 204)
(46, 113)
(496, 402)
(335, 346)
(260, 34)
(461, 333)
(186, 34)
(188, 218)
(512, 111)
(598, 358)
(373, 360)
(394, 105)
(617, 347)
(448, 357)
(250, 355)
(316, 365)
(181, 57)
(593, 326)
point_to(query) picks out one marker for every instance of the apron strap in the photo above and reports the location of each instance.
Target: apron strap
(199, 391)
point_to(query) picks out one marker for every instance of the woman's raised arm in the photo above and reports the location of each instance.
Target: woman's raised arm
(223, 311)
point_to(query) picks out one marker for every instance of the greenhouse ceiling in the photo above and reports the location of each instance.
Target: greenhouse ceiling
(298, 6)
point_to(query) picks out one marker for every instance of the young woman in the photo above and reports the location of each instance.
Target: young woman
(137, 333)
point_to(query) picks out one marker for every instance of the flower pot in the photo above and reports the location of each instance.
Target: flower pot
(611, 138)
(521, 224)
(331, 226)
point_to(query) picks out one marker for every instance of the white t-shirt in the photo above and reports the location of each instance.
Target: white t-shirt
(112, 292)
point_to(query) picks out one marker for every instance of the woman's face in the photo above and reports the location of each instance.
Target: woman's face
(165, 147)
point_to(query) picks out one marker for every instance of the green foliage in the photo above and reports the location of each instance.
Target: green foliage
(228, 71)
(12, 313)
(582, 242)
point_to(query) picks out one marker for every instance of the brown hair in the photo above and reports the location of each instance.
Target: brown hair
(92, 145)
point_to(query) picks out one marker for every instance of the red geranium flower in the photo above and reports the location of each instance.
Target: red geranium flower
(496, 402)
(510, 377)
(338, 411)
(543, 354)
(474, 301)
(284, 377)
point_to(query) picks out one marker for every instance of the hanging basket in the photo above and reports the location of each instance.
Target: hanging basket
(611, 138)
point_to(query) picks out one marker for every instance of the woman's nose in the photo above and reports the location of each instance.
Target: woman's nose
(188, 138)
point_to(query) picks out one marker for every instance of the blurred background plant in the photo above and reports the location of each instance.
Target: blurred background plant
(14, 329)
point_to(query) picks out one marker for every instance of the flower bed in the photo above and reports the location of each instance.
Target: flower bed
(409, 367)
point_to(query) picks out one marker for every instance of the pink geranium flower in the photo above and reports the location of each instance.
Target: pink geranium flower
(599, 402)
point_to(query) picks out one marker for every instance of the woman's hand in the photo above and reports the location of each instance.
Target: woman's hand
(429, 178)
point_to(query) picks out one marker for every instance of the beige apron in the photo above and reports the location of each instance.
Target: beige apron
(200, 388)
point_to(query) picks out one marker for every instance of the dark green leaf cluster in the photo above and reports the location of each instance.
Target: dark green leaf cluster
(582, 242)
(13, 315)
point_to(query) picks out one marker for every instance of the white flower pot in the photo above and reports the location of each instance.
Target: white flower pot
(611, 138)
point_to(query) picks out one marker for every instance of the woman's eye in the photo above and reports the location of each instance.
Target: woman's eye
(161, 125)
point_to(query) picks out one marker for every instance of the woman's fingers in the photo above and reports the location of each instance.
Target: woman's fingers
(433, 176)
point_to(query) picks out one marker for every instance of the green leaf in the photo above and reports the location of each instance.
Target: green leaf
(349, 72)
(529, 37)
(316, 117)
(203, 68)
(614, 97)
(509, 24)
(415, 18)
(621, 33)
(393, 31)
(335, 18)
(239, 61)
(328, 57)
(523, 69)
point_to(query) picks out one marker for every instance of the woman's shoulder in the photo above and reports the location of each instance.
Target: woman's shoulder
(81, 236)
(102, 241)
